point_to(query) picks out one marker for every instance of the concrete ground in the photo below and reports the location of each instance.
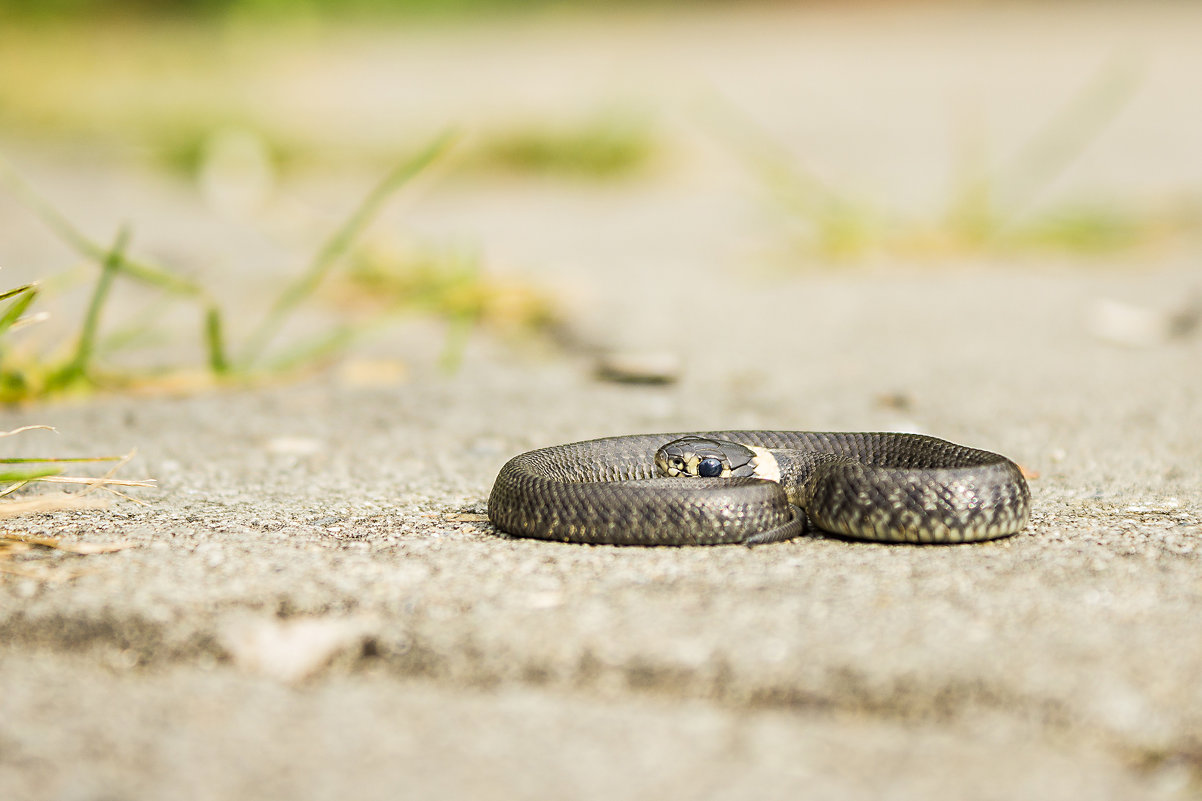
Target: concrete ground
(314, 606)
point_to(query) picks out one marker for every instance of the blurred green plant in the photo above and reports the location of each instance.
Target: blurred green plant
(448, 283)
(286, 9)
(987, 211)
(155, 91)
(185, 147)
(25, 375)
(171, 93)
(168, 93)
(606, 146)
(18, 472)
(455, 291)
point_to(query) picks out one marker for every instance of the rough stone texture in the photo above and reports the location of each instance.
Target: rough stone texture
(315, 603)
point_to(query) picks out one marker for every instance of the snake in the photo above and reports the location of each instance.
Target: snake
(754, 487)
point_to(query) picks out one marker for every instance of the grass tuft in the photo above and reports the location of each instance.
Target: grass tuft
(987, 212)
(337, 245)
(604, 147)
(444, 282)
(25, 376)
(19, 473)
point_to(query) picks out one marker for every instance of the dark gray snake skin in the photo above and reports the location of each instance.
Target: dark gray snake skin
(874, 486)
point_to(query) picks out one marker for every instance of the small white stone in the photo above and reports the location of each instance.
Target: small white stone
(1122, 323)
(291, 650)
(549, 599)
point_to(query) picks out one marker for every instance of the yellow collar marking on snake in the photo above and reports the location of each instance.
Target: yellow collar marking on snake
(766, 466)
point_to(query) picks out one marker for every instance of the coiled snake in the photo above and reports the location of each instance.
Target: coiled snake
(746, 486)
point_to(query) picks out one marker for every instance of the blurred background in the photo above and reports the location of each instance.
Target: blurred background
(273, 182)
(419, 237)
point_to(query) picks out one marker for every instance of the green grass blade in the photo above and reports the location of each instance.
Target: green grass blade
(798, 189)
(32, 460)
(77, 368)
(27, 475)
(316, 348)
(23, 288)
(215, 341)
(1065, 137)
(18, 306)
(138, 329)
(338, 244)
(61, 227)
(836, 224)
(458, 333)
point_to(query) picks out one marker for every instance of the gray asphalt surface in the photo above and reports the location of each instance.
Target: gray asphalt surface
(315, 606)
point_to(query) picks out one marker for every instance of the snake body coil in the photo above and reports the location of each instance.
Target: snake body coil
(875, 486)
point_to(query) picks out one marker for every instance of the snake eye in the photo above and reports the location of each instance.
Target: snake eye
(709, 467)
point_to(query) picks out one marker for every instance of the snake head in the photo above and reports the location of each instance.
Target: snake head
(694, 456)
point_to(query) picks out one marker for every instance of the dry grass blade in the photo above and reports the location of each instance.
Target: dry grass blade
(11, 488)
(79, 500)
(56, 502)
(57, 544)
(90, 483)
(26, 428)
(54, 576)
(10, 546)
(98, 482)
(16, 571)
(30, 319)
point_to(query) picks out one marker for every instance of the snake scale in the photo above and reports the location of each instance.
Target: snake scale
(633, 490)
